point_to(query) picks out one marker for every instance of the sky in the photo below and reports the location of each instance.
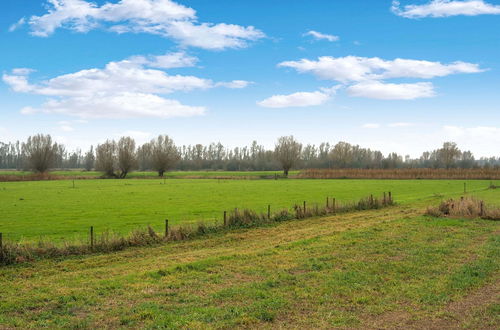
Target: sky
(402, 76)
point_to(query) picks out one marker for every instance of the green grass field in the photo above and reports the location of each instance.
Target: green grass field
(56, 210)
(388, 268)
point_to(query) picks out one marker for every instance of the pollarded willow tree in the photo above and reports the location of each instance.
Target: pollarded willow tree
(40, 152)
(127, 156)
(287, 152)
(89, 159)
(164, 154)
(106, 160)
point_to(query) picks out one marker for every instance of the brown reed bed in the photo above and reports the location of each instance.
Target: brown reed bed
(465, 207)
(407, 173)
(15, 252)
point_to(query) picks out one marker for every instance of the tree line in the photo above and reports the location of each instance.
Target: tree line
(40, 153)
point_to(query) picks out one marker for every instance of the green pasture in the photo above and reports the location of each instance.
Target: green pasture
(142, 174)
(380, 269)
(56, 210)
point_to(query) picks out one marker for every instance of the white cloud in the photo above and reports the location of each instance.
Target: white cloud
(116, 77)
(400, 124)
(371, 125)
(445, 8)
(22, 71)
(235, 84)
(387, 91)
(167, 61)
(161, 17)
(17, 25)
(365, 76)
(321, 36)
(117, 105)
(353, 68)
(122, 89)
(300, 99)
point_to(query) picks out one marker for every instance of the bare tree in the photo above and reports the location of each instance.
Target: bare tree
(89, 159)
(106, 160)
(40, 152)
(127, 156)
(287, 152)
(448, 154)
(144, 156)
(164, 154)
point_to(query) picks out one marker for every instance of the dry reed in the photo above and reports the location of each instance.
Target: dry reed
(465, 207)
(409, 173)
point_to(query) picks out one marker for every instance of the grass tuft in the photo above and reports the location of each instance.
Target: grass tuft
(465, 207)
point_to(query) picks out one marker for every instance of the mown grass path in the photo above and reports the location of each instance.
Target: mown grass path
(354, 270)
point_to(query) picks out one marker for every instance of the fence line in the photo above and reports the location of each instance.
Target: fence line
(15, 252)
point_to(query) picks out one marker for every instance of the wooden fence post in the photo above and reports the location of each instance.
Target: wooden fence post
(225, 218)
(390, 197)
(92, 237)
(481, 212)
(371, 200)
(333, 204)
(268, 212)
(304, 207)
(166, 228)
(327, 202)
(1, 241)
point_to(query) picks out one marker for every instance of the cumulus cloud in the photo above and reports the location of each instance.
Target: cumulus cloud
(235, 84)
(365, 76)
(446, 8)
(352, 68)
(299, 99)
(123, 89)
(115, 77)
(321, 36)
(388, 91)
(161, 17)
(166, 61)
(117, 105)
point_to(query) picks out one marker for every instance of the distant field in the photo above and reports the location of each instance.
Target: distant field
(176, 174)
(53, 209)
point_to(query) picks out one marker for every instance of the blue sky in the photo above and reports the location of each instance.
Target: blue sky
(392, 76)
